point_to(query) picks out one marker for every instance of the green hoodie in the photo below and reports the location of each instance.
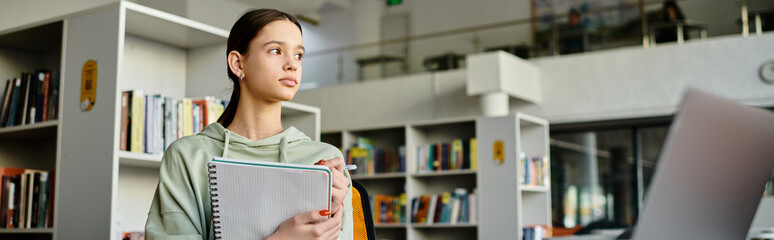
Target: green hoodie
(181, 206)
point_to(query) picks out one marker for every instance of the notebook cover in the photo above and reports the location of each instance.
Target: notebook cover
(252, 198)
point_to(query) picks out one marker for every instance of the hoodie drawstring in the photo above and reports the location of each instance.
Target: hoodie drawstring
(225, 147)
(282, 147)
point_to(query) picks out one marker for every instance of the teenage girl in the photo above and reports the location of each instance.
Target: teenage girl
(264, 53)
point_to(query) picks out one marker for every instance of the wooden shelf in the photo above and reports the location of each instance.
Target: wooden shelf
(42, 130)
(389, 225)
(528, 188)
(139, 159)
(378, 176)
(28, 231)
(445, 173)
(444, 225)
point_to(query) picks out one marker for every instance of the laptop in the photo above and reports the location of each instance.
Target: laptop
(711, 173)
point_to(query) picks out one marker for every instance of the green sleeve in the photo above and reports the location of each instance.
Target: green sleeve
(174, 213)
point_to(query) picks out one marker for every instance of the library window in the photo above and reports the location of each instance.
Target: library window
(594, 173)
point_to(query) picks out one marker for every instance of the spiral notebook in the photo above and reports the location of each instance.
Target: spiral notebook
(250, 199)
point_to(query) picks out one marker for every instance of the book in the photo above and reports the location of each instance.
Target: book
(14, 103)
(123, 139)
(137, 120)
(187, 117)
(53, 96)
(31, 95)
(170, 121)
(41, 101)
(473, 154)
(43, 205)
(149, 124)
(243, 209)
(27, 81)
(6, 100)
(158, 124)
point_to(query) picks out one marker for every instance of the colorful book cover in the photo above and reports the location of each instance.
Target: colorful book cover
(137, 121)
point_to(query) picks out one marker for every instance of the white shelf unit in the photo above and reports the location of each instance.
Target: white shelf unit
(101, 191)
(533, 201)
(505, 205)
(34, 146)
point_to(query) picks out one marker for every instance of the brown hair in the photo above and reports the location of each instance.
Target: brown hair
(243, 31)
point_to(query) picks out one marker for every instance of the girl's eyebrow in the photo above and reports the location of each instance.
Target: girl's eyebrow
(283, 43)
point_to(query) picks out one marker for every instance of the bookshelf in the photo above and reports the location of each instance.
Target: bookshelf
(499, 191)
(102, 191)
(33, 145)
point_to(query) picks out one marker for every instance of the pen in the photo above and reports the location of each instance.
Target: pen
(350, 167)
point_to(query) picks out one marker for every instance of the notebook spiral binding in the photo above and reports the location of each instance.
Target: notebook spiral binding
(215, 203)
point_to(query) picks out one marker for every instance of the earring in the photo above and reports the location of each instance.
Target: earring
(241, 77)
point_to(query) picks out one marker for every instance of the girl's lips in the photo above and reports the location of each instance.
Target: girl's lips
(289, 81)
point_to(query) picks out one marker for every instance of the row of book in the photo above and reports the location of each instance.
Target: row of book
(371, 159)
(454, 155)
(31, 98)
(26, 198)
(133, 236)
(149, 123)
(536, 232)
(535, 169)
(452, 208)
(389, 209)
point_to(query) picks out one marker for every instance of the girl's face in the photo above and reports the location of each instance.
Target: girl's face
(272, 65)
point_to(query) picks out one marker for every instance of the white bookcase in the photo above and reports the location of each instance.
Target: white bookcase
(34, 146)
(504, 206)
(101, 191)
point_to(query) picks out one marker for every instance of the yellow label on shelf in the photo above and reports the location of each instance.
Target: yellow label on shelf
(88, 85)
(498, 152)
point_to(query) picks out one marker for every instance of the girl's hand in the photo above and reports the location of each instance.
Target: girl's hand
(340, 182)
(311, 225)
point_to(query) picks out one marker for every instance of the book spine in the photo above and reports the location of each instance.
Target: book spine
(44, 90)
(53, 96)
(14, 103)
(33, 210)
(32, 95)
(4, 203)
(6, 96)
(123, 139)
(213, 174)
(137, 121)
(149, 124)
(187, 117)
(158, 118)
(26, 77)
(43, 200)
(12, 200)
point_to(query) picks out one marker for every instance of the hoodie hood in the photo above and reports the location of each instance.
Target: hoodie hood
(281, 141)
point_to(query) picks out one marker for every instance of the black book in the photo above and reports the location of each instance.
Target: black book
(6, 100)
(17, 194)
(466, 154)
(35, 200)
(53, 97)
(445, 150)
(31, 95)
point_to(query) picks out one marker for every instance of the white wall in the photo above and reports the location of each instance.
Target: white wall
(622, 83)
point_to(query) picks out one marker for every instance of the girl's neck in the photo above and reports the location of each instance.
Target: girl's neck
(257, 120)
